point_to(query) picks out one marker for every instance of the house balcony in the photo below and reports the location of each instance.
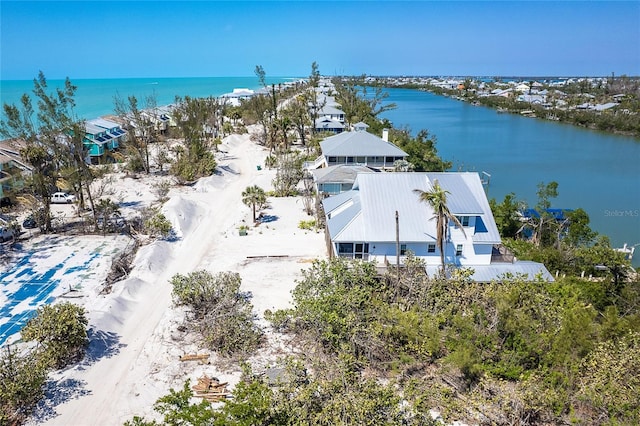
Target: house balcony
(501, 254)
(359, 256)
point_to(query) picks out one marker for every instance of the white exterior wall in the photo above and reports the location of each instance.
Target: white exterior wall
(472, 254)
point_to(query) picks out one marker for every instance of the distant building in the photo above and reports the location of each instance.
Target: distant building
(234, 98)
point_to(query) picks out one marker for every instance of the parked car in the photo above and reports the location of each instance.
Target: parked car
(6, 234)
(62, 198)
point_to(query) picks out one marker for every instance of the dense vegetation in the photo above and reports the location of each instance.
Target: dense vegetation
(501, 353)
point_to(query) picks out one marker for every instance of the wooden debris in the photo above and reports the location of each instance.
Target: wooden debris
(210, 389)
(194, 357)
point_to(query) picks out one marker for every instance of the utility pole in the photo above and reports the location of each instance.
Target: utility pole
(397, 249)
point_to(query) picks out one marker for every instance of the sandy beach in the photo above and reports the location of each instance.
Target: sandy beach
(133, 356)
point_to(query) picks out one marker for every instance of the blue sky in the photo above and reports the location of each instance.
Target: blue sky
(103, 39)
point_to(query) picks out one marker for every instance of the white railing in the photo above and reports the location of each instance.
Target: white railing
(312, 165)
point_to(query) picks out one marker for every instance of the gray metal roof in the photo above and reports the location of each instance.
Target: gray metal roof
(380, 195)
(349, 220)
(328, 123)
(462, 188)
(332, 203)
(101, 122)
(498, 271)
(330, 110)
(359, 144)
(93, 129)
(343, 173)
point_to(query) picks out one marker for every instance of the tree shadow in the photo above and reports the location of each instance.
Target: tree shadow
(57, 393)
(228, 169)
(130, 204)
(171, 237)
(102, 344)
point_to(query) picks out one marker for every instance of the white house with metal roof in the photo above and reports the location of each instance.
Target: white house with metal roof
(234, 98)
(361, 224)
(331, 112)
(326, 124)
(358, 147)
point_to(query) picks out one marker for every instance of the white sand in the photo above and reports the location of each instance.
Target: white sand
(134, 353)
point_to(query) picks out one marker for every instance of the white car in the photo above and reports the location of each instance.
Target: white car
(62, 198)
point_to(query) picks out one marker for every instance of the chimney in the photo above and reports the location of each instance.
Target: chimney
(385, 135)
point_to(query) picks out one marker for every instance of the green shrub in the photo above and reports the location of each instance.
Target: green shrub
(21, 386)
(223, 313)
(158, 225)
(61, 333)
(308, 225)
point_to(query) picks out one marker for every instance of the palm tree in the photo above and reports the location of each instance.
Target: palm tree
(437, 199)
(254, 196)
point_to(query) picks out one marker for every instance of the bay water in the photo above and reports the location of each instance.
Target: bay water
(596, 171)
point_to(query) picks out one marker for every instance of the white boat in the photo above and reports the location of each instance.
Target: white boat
(627, 250)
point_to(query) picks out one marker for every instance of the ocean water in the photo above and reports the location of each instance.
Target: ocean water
(596, 171)
(95, 97)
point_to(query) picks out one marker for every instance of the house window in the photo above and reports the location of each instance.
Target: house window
(360, 160)
(403, 249)
(349, 159)
(330, 188)
(332, 159)
(362, 251)
(431, 248)
(464, 220)
(345, 249)
(459, 250)
(390, 160)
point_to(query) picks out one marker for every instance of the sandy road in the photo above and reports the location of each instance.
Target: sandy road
(131, 317)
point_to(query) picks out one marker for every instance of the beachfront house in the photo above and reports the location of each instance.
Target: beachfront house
(13, 170)
(326, 124)
(237, 96)
(358, 147)
(332, 112)
(102, 137)
(158, 118)
(361, 224)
